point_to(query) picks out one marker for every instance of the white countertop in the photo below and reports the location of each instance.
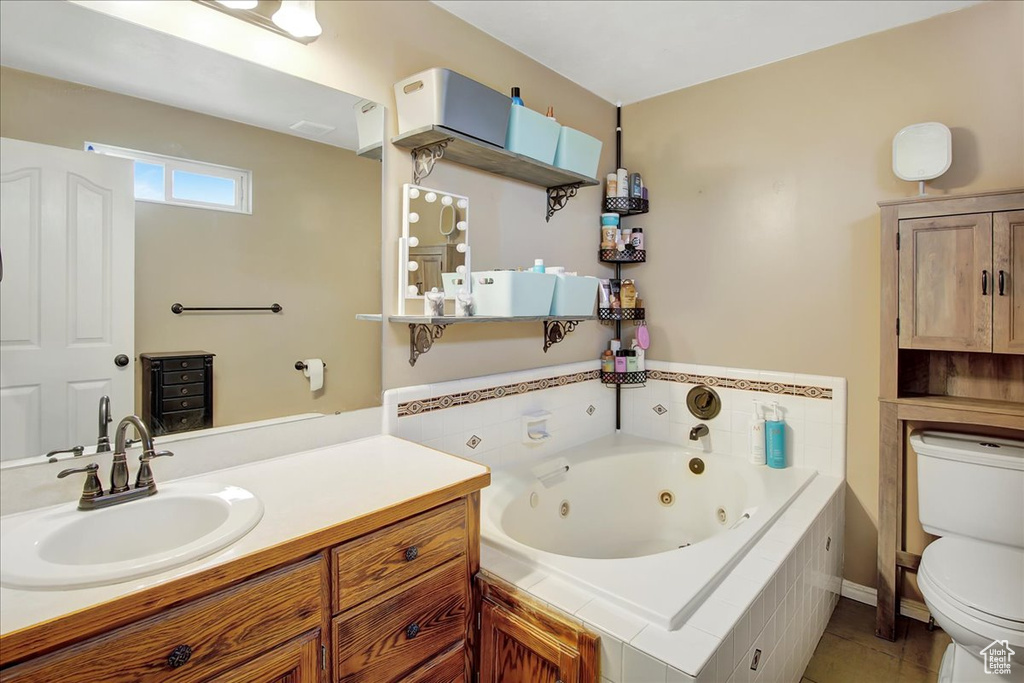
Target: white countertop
(302, 493)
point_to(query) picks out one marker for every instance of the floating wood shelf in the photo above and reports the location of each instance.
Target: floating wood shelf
(960, 410)
(431, 143)
(424, 330)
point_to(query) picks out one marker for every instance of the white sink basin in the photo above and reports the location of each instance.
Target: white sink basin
(65, 548)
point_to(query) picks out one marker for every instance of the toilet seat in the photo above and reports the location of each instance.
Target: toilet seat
(982, 581)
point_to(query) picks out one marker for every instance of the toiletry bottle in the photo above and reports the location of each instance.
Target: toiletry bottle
(757, 440)
(775, 440)
(611, 186)
(637, 237)
(516, 99)
(551, 113)
(620, 360)
(631, 362)
(615, 345)
(641, 355)
(636, 185)
(622, 182)
(538, 265)
(607, 361)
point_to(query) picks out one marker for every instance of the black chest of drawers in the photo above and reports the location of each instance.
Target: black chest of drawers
(177, 391)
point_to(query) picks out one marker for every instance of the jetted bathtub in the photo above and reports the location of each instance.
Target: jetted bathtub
(630, 519)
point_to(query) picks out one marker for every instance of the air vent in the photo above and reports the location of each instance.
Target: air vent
(316, 130)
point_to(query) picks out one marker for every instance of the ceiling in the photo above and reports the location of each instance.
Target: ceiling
(630, 50)
(65, 41)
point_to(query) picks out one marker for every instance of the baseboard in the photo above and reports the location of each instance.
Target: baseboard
(869, 596)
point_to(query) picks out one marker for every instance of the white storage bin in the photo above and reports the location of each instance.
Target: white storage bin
(441, 97)
(369, 128)
(574, 295)
(453, 282)
(506, 293)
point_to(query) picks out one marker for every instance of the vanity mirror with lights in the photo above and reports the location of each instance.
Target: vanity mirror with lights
(245, 190)
(434, 248)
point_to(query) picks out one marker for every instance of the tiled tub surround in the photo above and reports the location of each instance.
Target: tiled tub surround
(776, 600)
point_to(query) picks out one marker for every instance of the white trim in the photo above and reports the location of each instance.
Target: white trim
(869, 596)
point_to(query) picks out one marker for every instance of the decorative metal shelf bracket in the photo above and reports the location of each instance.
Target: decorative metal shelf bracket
(421, 339)
(423, 159)
(556, 330)
(559, 196)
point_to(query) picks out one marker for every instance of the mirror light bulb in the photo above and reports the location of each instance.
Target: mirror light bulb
(413, 193)
(461, 270)
(414, 217)
(412, 290)
(460, 247)
(413, 266)
(462, 225)
(462, 204)
(298, 17)
(430, 197)
(446, 200)
(414, 241)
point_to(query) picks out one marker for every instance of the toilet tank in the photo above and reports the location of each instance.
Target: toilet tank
(970, 486)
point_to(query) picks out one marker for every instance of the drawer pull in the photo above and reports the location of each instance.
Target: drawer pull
(184, 404)
(184, 378)
(179, 656)
(412, 630)
(411, 553)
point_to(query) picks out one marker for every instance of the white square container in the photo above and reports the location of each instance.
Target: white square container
(369, 128)
(506, 293)
(453, 282)
(441, 97)
(574, 295)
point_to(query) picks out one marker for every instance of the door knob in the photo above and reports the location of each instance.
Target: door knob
(121, 360)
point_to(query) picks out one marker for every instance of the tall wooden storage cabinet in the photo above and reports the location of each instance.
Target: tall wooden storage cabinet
(952, 341)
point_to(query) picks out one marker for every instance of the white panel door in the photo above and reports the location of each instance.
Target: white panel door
(67, 239)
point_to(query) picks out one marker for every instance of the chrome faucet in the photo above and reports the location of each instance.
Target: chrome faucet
(93, 496)
(698, 431)
(103, 441)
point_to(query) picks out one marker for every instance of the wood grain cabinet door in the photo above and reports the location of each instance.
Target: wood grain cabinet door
(946, 283)
(1008, 302)
(296, 662)
(512, 650)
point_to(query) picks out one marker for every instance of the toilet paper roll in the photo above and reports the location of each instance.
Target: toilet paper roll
(315, 372)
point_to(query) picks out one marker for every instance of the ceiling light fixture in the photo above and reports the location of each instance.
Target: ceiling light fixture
(298, 17)
(239, 4)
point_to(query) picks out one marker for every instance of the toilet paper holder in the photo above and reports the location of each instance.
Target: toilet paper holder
(299, 365)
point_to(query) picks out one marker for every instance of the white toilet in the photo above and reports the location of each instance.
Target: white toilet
(971, 493)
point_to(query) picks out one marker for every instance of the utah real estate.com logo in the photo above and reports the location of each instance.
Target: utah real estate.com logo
(997, 657)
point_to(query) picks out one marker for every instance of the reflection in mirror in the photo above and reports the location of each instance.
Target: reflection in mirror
(434, 251)
(249, 190)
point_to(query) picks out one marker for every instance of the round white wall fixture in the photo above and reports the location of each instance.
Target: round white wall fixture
(922, 151)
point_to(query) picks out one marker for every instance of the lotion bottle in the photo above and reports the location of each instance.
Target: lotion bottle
(757, 441)
(775, 438)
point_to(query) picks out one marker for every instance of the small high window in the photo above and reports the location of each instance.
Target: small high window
(184, 182)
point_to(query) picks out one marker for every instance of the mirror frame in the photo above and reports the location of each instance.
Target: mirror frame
(410, 192)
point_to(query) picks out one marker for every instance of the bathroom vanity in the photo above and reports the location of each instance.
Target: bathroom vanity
(360, 570)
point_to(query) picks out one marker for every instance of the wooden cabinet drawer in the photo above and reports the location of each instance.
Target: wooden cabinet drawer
(177, 390)
(182, 403)
(221, 631)
(182, 420)
(183, 377)
(178, 364)
(377, 562)
(448, 667)
(389, 636)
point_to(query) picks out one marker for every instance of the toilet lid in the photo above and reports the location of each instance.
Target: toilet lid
(984, 578)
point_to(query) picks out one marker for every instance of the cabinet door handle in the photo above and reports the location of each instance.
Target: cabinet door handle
(412, 630)
(984, 283)
(179, 656)
(411, 553)
(1002, 283)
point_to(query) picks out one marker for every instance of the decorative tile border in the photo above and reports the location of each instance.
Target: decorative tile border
(423, 405)
(744, 384)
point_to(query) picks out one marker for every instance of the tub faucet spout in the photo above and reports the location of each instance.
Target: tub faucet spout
(698, 431)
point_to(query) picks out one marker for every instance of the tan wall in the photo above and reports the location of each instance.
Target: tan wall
(365, 48)
(764, 230)
(311, 244)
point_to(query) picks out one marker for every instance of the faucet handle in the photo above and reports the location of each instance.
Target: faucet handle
(77, 450)
(145, 476)
(93, 488)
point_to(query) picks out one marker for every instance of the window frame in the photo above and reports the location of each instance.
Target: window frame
(240, 176)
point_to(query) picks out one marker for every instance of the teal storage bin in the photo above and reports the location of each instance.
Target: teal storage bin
(578, 152)
(574, 295)
(532, 134)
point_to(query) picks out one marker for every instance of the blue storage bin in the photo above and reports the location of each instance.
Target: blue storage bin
(532, 134)
(574, 295)
(578, 152)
